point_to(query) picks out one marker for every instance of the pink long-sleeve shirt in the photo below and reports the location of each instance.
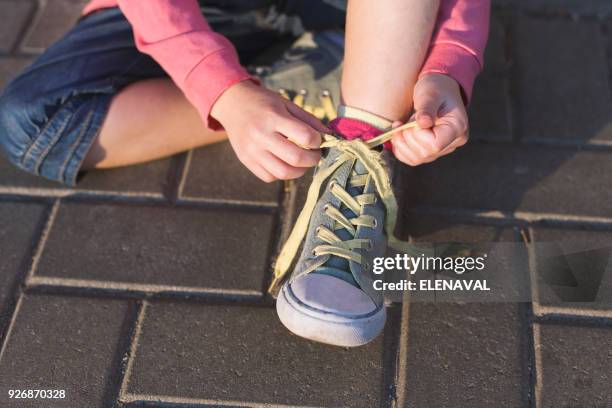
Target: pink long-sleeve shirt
(203, 63)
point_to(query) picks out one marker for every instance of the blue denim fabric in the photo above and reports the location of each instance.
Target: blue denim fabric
(52, 112)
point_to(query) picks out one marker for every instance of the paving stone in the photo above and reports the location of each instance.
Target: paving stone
(21, 224)
(573, 268)
(506, 262)
(10, 67)
(466, 355)
(15, 15)
(64, 343)
(216, 173)
(55, 19)
(576, 366)
(513, 178)
(489, 111)
(150, 177)
(439, 229)
(568, 97)
(244, 354)
(495, 59)
(145, 178)
(219, 249)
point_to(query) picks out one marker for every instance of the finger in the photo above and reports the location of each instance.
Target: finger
(426, 106)
(437, 139)
(402, 152)
(291, 153)
(418, 149)
(298, 132)
(307, 118)
(460, 141)
(259, 171)
(279, 168)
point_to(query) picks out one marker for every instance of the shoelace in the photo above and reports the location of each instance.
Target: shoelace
(351, 150)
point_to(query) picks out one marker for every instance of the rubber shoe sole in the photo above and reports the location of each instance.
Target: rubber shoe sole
(326, 327)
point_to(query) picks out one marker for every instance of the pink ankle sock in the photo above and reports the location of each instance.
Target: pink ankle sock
(349, 129)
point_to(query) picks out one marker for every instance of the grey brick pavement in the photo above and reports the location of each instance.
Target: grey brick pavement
(144, 286)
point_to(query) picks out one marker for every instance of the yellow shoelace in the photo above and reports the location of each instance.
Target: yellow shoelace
(351, 151)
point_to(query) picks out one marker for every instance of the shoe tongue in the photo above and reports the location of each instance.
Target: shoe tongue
(348, 128)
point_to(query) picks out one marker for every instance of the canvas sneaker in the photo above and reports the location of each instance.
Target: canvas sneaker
(349, 213)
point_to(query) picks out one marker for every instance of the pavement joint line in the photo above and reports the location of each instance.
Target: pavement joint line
(105, 197)
(43, 239)
(28, 22)
(39, 8)
(224, 201)
(173, 176)
(172, 401)
(524, 217)
(122, 356)
(532, 266)
(183, 176)
(66, 192)
(9, 330)
(391, 343)
(402, 366)
(134, 288)
(537, 345)
(588, 145)
(529, 369)
(132, 349)
(560, 313)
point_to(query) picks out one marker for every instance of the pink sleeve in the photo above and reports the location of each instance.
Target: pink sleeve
(201, 62)
(459, 40)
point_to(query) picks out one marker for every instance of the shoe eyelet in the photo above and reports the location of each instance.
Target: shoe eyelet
(317, 230)
(314, 252)
(375, 223)
(325, 208)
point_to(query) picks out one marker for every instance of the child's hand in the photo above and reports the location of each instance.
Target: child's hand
(266, 131)
(442, 119)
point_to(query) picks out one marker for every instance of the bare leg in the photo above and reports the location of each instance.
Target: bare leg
(386, 44)
(148, 120)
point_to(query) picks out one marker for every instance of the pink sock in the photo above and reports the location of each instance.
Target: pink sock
(349, 129)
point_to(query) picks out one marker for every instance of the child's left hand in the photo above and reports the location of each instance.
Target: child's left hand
(442, 119)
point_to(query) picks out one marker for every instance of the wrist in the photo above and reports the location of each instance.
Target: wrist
(225, 103)
(442, 84)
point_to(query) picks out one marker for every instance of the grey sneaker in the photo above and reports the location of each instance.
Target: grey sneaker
(330, 297)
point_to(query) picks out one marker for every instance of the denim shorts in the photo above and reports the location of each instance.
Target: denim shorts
(52, 112)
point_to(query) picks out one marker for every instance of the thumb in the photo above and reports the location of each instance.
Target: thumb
(426, 107)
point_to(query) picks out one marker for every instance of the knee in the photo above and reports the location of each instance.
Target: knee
(17, 129)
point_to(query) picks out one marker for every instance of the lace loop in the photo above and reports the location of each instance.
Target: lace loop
(354, 150)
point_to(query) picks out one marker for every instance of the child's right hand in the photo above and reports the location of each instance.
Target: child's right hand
(269, 134)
